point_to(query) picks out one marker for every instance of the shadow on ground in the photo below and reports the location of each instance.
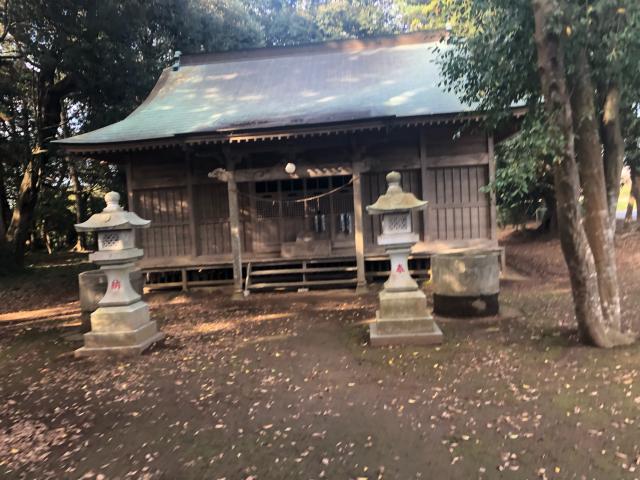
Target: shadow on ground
(284, 385)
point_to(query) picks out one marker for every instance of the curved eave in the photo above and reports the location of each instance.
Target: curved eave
(271, 134)
(388, 204)
(106, 221)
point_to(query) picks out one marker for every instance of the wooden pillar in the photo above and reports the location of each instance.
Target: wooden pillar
(185, 280)
(137, 233)
(193, 232)
(129, 180)
(493, 224)
(361, 286)
(234, 227)
(426, 232)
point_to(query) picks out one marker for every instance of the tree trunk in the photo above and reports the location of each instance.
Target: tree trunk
(633, 198)
(44, 233)
(76, 185)
(613, 149)
(48, 116)
(6, 257)
(22, 216)
(597, 220)
(549, 223)
(5, 211)
(575, 246)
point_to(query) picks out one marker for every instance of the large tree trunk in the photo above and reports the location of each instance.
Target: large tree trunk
(22, 216)
(597, 222)
(575, 245)
(613, 149)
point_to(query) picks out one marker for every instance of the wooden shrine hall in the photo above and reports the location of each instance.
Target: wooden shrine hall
(255, 166)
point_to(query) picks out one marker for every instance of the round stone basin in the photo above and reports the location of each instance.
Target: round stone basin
(466, 284)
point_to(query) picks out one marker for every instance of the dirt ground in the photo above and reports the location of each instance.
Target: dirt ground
(284, 386)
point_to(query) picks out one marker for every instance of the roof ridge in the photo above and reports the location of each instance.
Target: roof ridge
(332, 46)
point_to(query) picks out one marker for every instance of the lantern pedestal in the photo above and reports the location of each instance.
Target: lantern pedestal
(121, 324)
(403, 318)
(120, 330)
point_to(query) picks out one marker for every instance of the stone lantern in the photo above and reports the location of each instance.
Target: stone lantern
(121, 324)
(403, 318)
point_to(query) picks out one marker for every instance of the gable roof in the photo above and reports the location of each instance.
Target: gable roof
(259, 89)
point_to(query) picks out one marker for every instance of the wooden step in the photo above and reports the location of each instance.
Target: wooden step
(413, 273)
(303, 284)
(301, 274)
(277, 271)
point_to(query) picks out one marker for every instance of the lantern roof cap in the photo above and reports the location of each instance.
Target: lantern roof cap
(113, 217)
(395, 199)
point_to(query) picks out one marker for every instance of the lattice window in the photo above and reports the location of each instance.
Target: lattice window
(110, 240)
(115, 240)
(397, 223)
(267, 208)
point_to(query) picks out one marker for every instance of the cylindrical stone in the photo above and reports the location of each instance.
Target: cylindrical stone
(466, 284)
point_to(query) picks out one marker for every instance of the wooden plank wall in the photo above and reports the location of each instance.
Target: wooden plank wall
(157, 188)
(211, 205)
(265, 213)
(458, 209)
(451, 141)
(212, 218)
(167, 208)
(456, 167)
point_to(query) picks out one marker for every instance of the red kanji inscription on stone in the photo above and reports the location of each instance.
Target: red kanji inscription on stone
(115, 285)
(399, 269)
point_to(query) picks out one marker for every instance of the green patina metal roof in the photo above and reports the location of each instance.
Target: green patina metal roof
(290, 87)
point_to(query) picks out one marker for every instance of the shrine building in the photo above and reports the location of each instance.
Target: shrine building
(255, 166)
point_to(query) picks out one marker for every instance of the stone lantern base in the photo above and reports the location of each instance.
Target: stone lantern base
(120, 330)
(403, 319)
(93, 286)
